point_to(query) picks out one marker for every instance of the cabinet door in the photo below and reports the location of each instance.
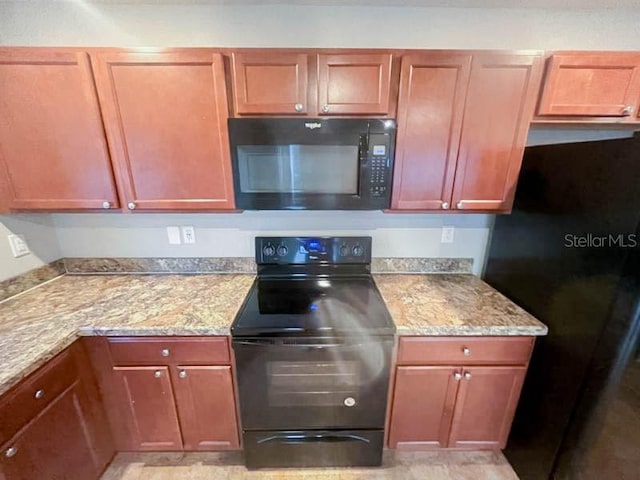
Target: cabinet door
(270, 83)
(166, 121)
(206, 407)
(422, 408)
(53, 152)
(149, 404)
(57, 444)
(500, 102)
(354, 84)
(485, 406)
(430, 109)
(591, 84)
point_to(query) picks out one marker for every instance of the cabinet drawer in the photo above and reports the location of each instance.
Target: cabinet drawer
(169, 350)
(34, 394)
(464, 350)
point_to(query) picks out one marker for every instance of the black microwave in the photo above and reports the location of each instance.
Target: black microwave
(312, 163)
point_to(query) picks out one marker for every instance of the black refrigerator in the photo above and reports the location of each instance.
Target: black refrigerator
(570, 255)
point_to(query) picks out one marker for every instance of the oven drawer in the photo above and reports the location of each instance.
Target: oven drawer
(35, 393)
(464, 350)
(313, 448)
(169, 350)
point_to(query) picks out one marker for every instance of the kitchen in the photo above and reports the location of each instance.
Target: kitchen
(115, 239)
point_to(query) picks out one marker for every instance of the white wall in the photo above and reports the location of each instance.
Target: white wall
(82, 22)
(40, 235)
(231, 235)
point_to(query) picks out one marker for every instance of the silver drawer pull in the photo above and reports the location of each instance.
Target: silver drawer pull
(165, 352)
(39, 394)
(182, 374)
(466, 351)
(157, 373)
(10, 452)
(349, 402)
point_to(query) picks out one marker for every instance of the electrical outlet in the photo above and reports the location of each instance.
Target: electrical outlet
(447, 234)
(19, 245)
(173, 233)
(189, 234)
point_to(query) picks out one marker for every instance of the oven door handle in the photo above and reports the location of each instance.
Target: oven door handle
(298, 439)
(318, 346)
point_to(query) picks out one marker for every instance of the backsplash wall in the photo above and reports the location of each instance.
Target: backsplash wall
(231, 235)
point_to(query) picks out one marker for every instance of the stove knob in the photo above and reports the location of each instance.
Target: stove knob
(344, 251)
(358, 251)
(268, 250)
(283, 250)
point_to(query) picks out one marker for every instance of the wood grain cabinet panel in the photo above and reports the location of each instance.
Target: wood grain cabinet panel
(422, 407)
(57, 444)
(270, 83)
(149, 404)
(166, 121)
(500, 103)
(485, 407)
(430, 108)
(206, 407)
(354, 84)
(53, 151)
(603, 84)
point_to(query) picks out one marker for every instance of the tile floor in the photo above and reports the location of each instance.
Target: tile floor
(228, 466)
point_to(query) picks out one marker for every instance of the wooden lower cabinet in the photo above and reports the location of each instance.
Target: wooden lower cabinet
(68, 437)
(179, 404)
(456, 406)
(485, 405)
(206, 407)
(149, 406)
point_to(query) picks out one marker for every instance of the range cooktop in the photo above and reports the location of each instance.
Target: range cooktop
(313, 287)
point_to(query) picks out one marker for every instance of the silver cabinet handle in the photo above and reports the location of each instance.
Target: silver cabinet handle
(466, 351)
(157, 373)
(106, 205)
(457, 376)
(165, 352)
(182, 374)
(467, 375)
(459, 205)
(10, 452)
(349, 402)
(325, 108)
(131, 206)
(445, 205)
(628, 110)
(299, 107)
(39, 394)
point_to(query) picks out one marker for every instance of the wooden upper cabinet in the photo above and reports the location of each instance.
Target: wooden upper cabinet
(166, 120)
(430, 110)
(354, 84)
(53, 152)
(422, 407)
(500, 102)
(270, 83)
(603, 84)
(485, 406)
(206, 407)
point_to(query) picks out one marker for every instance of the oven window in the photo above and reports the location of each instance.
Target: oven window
(305, 384)
(298, 169)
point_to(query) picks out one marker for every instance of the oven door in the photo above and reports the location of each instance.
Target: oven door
(306, 163)
(304, 383)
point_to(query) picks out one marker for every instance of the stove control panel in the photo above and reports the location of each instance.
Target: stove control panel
(312, 250)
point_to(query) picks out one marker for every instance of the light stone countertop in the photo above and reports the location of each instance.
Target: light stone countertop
(40, 323)
(452, 304)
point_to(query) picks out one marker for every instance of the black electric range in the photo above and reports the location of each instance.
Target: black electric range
(312, 345)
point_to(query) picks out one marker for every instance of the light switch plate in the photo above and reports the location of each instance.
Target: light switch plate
(447, 234)
(19, 246)
(173, 233)
(189, 234)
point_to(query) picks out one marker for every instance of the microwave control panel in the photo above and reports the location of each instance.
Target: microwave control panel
(379, 164)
